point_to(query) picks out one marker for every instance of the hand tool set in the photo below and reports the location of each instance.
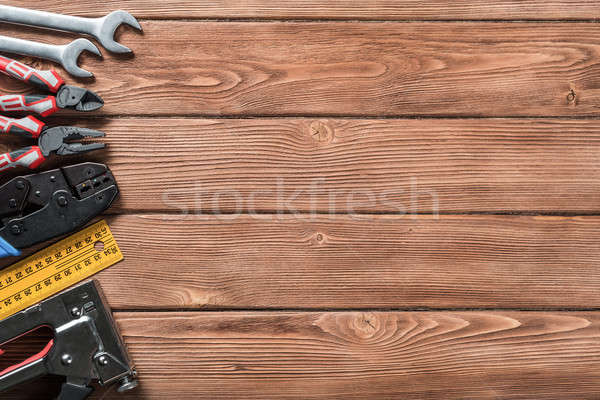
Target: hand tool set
(86, 345)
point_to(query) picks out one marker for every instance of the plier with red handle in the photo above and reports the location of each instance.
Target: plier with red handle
(57, 140)
(65, 96)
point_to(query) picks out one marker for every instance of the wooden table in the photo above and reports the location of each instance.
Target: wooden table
(352, 200)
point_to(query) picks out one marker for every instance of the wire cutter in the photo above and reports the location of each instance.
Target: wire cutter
(57, 140)
(66, 96)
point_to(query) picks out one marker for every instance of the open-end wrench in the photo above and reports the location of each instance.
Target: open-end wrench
(103, 29)
(66, 55)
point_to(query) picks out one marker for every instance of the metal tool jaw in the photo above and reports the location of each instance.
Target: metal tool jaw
(77, 98)
(86, 346)
(59, 140)
(38, 207)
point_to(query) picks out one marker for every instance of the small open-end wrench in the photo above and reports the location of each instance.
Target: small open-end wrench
(66, 55)
(102, 29)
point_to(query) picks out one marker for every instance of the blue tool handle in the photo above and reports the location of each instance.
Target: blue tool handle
(7, 249)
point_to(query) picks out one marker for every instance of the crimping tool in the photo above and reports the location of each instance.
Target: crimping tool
(66, 96)
(86, 346)
(38, 207)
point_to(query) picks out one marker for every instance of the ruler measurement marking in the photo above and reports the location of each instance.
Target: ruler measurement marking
(54, 275)
(62, 265)
(71, 266)
(72, 259)
(47, 254)
(35, 283)
(37, 270)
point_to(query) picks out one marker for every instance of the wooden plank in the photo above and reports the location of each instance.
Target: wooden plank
(352, 166)
(356, 355)
(339, 9)
(336, 262)
(351, 68)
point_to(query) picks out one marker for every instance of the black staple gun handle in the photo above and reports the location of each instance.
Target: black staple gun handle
(86, 346)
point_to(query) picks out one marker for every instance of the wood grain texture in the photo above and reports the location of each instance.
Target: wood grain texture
(351, 166)
(351, 355)
(336, 262)
(351, 68)
(207, 117)
(328, 9)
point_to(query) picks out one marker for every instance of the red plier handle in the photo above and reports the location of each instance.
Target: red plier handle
(28, 157)
(65, 96)
(46, 80)
(27, 127)
(42, 105)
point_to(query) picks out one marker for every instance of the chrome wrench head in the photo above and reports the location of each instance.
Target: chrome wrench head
(105, 33)
(102, 29)
(66, 55)
(71, 53)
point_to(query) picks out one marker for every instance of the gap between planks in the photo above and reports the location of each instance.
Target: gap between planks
(436, 10)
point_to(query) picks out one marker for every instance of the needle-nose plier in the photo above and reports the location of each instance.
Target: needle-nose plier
(66, 96)
(57, 140)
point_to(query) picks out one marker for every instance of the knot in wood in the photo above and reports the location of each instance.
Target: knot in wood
(317, 239)
(321, 132)
(571, 96)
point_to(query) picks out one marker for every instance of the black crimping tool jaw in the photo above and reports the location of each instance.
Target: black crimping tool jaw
(38, 207)
(86, 346)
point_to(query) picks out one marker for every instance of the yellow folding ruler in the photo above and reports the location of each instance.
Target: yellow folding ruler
(57, 267)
